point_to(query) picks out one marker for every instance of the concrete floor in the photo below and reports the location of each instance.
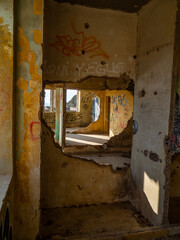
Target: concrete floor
(4, 184)
(85, 139)
(93, 220)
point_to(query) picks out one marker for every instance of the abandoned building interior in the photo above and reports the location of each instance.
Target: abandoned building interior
(89, 119)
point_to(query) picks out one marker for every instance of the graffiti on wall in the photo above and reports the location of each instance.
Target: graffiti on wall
(81, 45)
(73, 117)
(120, 113)
(77, 69)
(35, 130)
(86, 101)
(120, 99)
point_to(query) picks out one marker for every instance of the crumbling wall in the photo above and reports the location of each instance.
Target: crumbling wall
(152, 99)
(123, 139)
(28, 82)
(80, 38)
(68, 181)
(6, 85)
(49, 117)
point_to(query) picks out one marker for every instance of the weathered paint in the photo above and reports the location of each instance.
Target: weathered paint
(84, 116)
(73, 52)
(27, 140)
(156, 31)
(96, 127)
(6, 85)
(121, 110)
(69, 181)
(38, 36)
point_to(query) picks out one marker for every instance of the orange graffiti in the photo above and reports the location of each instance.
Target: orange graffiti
(78, 46)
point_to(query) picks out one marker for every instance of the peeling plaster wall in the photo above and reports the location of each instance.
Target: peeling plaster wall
(155, 43)
(6, 85)
(28, 16)
(81, 41)
(50, 118)
(69, 181)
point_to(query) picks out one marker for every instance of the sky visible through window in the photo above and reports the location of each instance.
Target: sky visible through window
(69, 94)
(47, 97)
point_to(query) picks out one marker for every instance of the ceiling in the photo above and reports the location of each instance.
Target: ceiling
(123, 5)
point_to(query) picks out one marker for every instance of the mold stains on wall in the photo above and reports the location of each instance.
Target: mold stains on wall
(141, 93)
(79, 46)
(154, 156)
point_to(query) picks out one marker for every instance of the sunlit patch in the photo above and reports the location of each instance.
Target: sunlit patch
(151, 190)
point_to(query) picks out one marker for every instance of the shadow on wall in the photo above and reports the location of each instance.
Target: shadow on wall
(6, 228)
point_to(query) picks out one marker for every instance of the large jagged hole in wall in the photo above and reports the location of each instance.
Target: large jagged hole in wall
(91, 123)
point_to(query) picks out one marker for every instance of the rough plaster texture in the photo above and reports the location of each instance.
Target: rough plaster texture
(91, 222)
(28, 16)
(121, 110)
(49, 117)
(7, 213)
(84, 116)
(76, 47)
(114, 120)
(156, 27)
(76, 181)
(97, 126)
(6, 80)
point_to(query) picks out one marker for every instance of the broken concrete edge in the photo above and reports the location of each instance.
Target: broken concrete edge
(126, 84)
(116, 6)
(168, 139)
(74, 157)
